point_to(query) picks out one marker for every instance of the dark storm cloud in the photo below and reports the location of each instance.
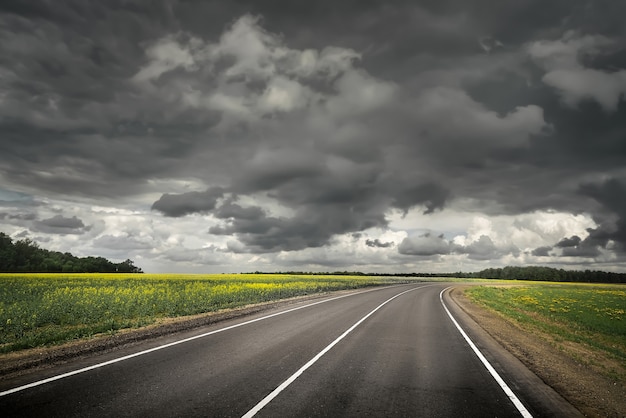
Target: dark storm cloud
(278, 168)
(59, 224)
(310, 227)
(568, 242)
(176, 205)
(230, 210)
(610, 194)
(71, 118)
(541, 251)
(586, 250)
(336, 112)
(431, 195)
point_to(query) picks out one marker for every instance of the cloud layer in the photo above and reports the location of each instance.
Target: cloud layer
(235, 137)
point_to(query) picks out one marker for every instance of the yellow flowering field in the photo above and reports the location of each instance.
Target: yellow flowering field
(39, 309)
(593, 315)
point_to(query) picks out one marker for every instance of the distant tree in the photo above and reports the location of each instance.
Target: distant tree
(541, 273)
(7, 252)
(24, 256)
(127, 266)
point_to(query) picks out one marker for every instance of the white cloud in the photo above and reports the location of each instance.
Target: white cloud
(255, 51)
(578, 84)
(232, 105)
(247, 53)
(178, 244)
(451, 115)
(359, 92)
(165, 55)
(283, 95)
(526, 231)
(471, 237)
(488, 43)
(561, 59)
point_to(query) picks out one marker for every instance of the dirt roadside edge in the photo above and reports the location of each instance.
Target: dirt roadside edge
(591, 393)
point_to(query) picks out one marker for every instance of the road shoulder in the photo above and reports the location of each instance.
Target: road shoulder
(556, 381)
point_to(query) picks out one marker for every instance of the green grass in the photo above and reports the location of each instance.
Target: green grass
(45, 309)
(593, 315)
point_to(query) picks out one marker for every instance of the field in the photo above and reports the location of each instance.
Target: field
(591, 316)
(44, 309)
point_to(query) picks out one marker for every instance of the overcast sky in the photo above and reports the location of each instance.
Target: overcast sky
(234, 136)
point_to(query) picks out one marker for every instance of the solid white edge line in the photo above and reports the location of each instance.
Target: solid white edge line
(252, 412)
(507, 390)
(161, 347)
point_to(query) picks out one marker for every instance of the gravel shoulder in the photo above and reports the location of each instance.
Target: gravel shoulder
(576, 372)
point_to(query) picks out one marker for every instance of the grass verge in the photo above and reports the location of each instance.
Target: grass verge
(586, 322)
(46, 309)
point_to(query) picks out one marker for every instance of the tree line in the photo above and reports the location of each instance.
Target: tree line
(535, 273)
(25, 256)
(550, 274)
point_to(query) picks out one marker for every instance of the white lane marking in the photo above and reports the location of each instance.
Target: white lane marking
(297, 374)
(161, 347)
(507, 390)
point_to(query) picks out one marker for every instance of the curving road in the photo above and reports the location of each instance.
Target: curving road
(391, 351)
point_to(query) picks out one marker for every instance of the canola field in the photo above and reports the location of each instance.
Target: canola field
(594, 315)
(43, 309)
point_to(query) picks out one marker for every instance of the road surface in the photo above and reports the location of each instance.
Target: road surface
(382, 352)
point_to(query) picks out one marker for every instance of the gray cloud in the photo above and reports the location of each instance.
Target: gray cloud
(303, 124)
(59, 224)
(310, 227)
(425, 245)
(610, 194)
(431, 195)
(561, 59)
(122, 243)
(186, 203)
(587, 250)
(18, 216)
(573, 241)
(23, 234)
(201, 257)
(376, 243)
(482, 249)
(230, 210)
(541, 251)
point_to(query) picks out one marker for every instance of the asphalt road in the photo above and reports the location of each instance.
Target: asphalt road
(364, 354)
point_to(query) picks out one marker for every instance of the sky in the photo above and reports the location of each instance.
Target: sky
(378, 136)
